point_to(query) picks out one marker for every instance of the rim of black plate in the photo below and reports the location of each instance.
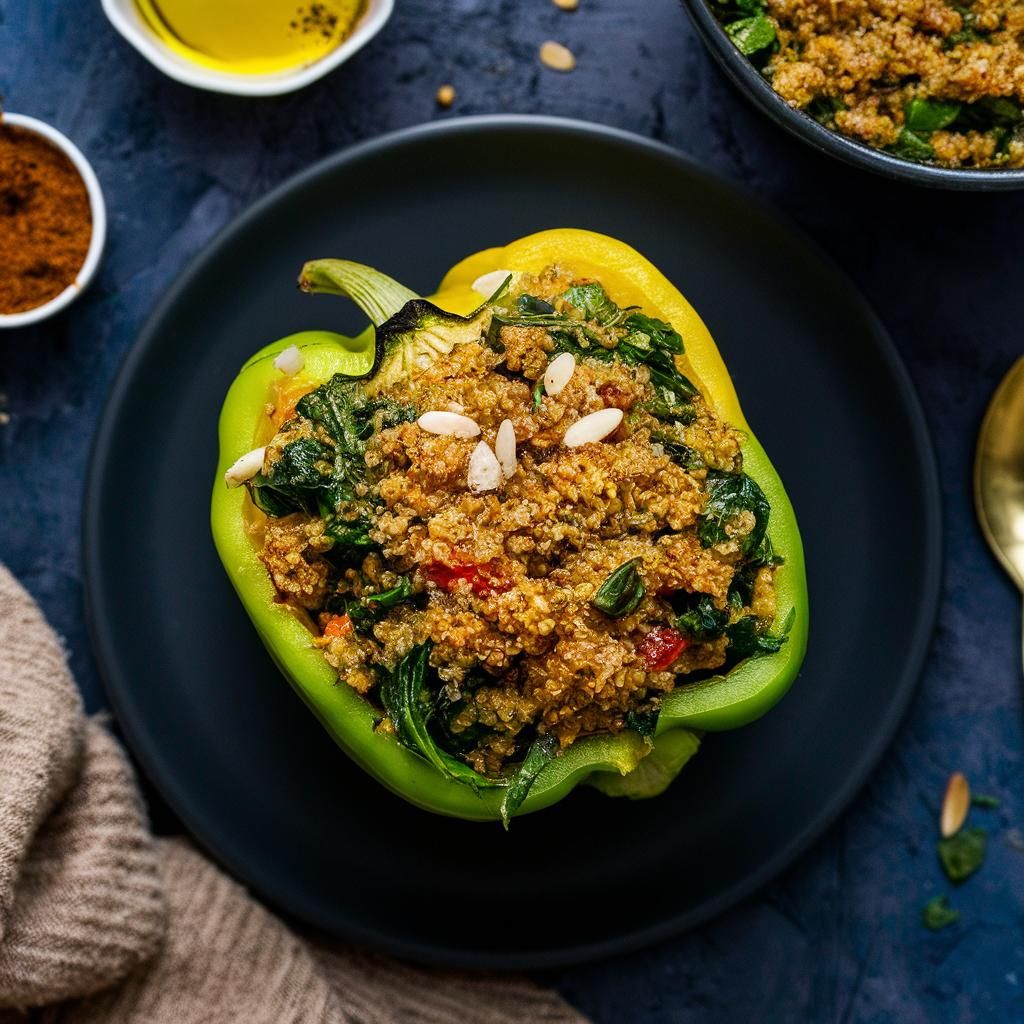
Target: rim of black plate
(162, 775)
(758, 89)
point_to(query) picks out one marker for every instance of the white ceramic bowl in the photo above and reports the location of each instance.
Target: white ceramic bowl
(125, 17)
(99, 224)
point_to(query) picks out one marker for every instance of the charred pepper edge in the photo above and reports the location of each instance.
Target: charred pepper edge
(723, 702)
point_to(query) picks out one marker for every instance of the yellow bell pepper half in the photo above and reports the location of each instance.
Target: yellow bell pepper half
(624, 764)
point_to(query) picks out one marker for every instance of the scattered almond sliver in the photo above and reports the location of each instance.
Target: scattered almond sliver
(448, 424)
(559, 373)
(566, 5)
(484, 469)
(556, 56)
(955, 805)
(487, 284)
(290, 361)
(505, 448)
(595, 427)
(245, 468)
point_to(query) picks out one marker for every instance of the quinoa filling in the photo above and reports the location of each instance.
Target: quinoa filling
(530, 539)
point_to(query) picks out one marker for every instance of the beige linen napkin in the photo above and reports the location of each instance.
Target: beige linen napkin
(100, 922)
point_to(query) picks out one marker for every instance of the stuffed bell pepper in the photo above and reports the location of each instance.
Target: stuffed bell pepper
(514, 537)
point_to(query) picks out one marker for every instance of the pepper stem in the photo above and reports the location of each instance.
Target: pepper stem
(380, 297)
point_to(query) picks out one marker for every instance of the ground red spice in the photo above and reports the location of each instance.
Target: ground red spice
(45, 220)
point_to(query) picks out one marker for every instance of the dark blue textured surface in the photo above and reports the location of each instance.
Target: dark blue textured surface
(838, 937)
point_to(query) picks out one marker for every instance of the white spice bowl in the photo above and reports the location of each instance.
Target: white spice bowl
(124, 15)
(99, 223)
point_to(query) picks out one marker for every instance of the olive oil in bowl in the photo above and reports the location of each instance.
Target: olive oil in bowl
(251, 37)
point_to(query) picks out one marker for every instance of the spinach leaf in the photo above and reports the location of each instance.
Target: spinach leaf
(447, 709)
(751, 34)
(1000, 110)
(703, 621)
(380, 414)
(643, 722)
(408, 702)
(648, 335)
(541, 753)
(312, 476)
(364, 612)
(387, 599)
(530, 305)
(593, 302)
(730, 494)
(989, 111)
(647, 341)
(764, 553)
(350, 536)
(969, 33)
(655, 344)
(912, 147)
(348, 416)
(962, 854)
(622, 591)
(741, 590)
(937, 913)
(746, 639)
(926, 115)
(966, 35)
(681, 454)
(824, 109)
(299, 480)
(333, 406)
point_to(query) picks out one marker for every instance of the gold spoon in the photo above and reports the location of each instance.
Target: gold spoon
(999, 474)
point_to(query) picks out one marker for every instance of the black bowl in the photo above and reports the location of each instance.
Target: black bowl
(752, 83)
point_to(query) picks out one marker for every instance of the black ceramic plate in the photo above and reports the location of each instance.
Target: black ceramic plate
(248, 768)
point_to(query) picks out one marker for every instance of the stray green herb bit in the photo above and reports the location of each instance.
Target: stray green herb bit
(961, 855)
(985, 800)
(538, 396)
(937, 913)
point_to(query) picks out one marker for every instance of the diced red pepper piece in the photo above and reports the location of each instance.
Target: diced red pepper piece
(483, 579)
(337, 625)
(661, 647)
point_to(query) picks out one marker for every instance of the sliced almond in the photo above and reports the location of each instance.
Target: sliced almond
(955, 805)
(595, 427)
(484, 469)
(456, 407)
(505, 448)
(559, 373)
(290, 361)
(567, 5)
(448, 424)
(245, 468)
(487, 284)
(556, 56)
